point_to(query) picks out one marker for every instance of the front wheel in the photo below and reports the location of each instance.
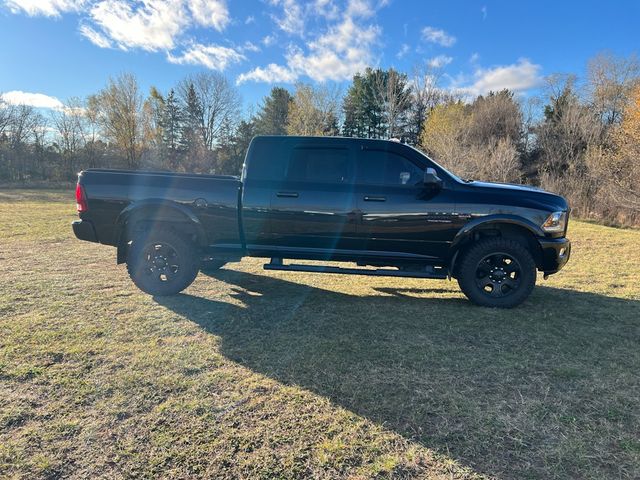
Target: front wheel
(162, 262)
(497, 272)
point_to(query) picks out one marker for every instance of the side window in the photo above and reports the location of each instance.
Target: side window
(323, 165)
(266, 160)
(379, 167)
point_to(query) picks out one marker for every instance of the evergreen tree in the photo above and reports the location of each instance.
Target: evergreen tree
(273, 116)
(171, 123)
(191, 136)
(231, 153)
(191, 139)
(364, 105)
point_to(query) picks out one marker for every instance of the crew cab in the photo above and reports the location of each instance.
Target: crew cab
(382, 206)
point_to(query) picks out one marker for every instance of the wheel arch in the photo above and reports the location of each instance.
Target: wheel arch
(506, 226)
(150, 214)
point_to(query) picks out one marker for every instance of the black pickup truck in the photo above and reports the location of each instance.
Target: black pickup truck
(382, 205)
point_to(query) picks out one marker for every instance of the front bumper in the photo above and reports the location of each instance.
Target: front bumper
(555, 254)
(83, 230)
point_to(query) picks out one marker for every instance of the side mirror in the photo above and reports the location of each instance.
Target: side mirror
(431, 178)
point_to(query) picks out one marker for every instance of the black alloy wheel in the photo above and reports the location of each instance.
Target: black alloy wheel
(496, 272)
(498, 275)
(162, 262)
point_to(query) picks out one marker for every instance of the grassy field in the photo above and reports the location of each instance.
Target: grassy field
(250, 374)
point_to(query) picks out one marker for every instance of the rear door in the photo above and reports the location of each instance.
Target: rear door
(312, 207)
(398, 214)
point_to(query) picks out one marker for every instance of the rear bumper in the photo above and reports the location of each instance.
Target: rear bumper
(555, 254)
(83, 230)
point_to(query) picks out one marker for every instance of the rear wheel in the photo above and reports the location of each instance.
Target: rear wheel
(497, 272)
(162, 262)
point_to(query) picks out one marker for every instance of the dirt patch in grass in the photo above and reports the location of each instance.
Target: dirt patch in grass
(289, 375)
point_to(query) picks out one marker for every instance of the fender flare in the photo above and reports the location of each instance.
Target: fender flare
(156, 210)
(467, 231)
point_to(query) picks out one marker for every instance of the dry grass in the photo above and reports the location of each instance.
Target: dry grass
(282, 375)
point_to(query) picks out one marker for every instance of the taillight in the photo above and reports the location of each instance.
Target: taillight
(81, 199)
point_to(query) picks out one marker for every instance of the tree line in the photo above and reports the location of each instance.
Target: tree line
(580, 137)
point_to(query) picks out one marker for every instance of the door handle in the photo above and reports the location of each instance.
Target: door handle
(373, 198)
(287, 194)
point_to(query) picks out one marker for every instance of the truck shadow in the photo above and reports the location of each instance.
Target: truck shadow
(495, 390)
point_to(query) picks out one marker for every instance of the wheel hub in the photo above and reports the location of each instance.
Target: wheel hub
(160, 262)
(498, 275)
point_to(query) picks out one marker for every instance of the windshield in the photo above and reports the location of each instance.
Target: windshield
(452, 175)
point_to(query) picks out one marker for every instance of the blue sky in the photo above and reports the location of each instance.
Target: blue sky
(55, 49)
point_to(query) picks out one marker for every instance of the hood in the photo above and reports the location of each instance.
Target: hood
(526, 193)
(508, 186)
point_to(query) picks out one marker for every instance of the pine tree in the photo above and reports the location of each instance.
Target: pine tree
(191, 139)
(171, 122)
(273, 116)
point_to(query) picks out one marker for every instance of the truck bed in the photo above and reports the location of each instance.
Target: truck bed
(212, 199)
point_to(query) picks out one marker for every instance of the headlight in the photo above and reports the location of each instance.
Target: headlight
(556, 222)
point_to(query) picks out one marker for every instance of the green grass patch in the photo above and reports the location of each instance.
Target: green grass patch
(254, 374)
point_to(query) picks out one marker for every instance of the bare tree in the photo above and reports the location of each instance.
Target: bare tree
(426, 94)
(568, 130)
(493, 117)
(219, 100)
(313, 110)
(6, 115)
(21, 126)
(69, 123)
(530, 116)
(499, 162)
(119, 110)
(393, 94)
(610, 82)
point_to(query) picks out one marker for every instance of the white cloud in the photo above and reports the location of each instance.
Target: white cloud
(210, 13)
(326, 8)
(439, 36)
(404, 49)
(517, 77)
(360, 8)
(127, 24)
(151, 26)
(47, 8)
(439, 61)
(293, 16)
(214, 57)
(38, 100)
(249, 47)
(272, 73)
(342, 50)
(95, 37)
(268, 40)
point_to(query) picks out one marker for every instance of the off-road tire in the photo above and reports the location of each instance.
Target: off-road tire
(484, 260)
(180, 257)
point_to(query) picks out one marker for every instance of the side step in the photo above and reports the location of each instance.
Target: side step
(429, 272)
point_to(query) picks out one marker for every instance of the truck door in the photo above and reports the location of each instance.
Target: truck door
(312, 208)
(397, 213)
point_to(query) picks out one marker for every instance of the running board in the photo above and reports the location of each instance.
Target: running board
(431, 272)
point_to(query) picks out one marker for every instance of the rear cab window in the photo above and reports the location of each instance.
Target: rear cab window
(319, 165)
